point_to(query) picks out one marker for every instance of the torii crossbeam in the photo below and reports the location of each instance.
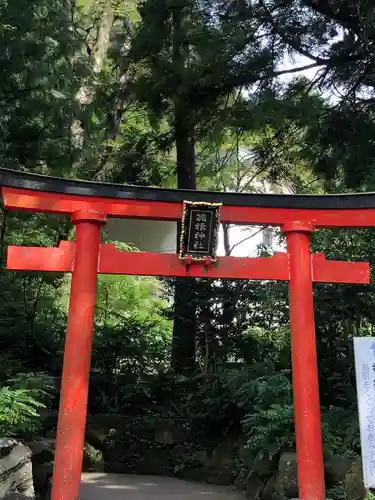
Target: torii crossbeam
(89, 205)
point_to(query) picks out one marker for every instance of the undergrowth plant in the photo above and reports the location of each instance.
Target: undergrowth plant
(20, 401)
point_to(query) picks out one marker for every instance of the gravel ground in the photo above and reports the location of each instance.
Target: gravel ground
(98, 486)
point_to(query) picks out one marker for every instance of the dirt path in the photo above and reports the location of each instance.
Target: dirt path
(97, 486)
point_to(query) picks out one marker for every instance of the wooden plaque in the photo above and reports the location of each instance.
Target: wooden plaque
(199, 232)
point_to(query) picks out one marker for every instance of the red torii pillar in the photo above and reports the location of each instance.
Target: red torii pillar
(304, 364)
(77, 357)
(87, 257)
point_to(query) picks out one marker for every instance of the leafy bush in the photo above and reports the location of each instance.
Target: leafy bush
(126, 358)
(18, 411)
(260, 407)
(341, 430)
(20, 401)
(268, 410)
(269, 421)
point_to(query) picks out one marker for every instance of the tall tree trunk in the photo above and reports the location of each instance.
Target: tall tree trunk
(98, 50)
(185, 322)
(103, 37)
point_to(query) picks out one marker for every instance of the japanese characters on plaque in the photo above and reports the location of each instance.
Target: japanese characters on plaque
(364, 354)
(199, 231)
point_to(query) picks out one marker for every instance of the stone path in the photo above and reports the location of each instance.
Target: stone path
(98, 486)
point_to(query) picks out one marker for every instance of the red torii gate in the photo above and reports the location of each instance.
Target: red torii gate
(89, 204)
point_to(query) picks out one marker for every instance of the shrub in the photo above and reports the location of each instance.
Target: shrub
(20, 400)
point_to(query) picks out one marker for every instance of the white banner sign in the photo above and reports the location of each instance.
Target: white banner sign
(364, 353)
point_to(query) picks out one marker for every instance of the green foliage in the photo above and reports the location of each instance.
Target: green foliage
(270, 431)
(338, 492)
(41, 73)
(40, 385)
(125, 357)
(268, 423)
(18, 411)
(20, 400)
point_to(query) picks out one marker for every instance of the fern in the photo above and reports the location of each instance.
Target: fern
(38, 384)
(270, 429)
(20, 402)
(18, 411)
(338, 492)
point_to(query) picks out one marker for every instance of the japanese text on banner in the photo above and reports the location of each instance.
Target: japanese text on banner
(364, 350)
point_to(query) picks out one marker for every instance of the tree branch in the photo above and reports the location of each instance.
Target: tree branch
(346, 19)
(290, 41)
(209, 92)
(247, 238)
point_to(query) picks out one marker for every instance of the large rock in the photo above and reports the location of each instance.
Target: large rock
(223, 454)
(347, 471)
(92, 459)
(16, 496)
(99, 427)
(353, 482)
(42, 476)
(265, 464)
(220, 466)
(268, 490)
(48, 420)
(169, 433)
(286, 484)
(43, 451)
(336, 468)
(133, 445)
(257, 482)
(162, 431)
(16, 475)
